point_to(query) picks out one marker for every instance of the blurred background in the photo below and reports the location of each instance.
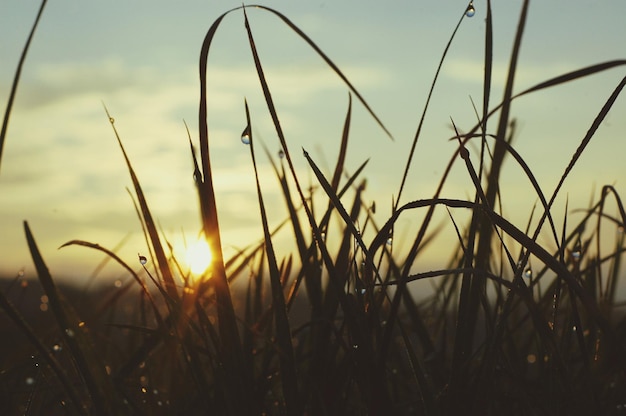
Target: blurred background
(63, 171)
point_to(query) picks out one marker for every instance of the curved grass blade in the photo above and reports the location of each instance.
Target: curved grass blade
(115, 257)
(227, 322)
(330, 63)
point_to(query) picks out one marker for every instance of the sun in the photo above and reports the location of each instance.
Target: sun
(198, 257)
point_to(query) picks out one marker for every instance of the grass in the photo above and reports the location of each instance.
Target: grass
(512, 327)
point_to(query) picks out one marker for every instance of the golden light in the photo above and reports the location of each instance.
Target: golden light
(198, 257)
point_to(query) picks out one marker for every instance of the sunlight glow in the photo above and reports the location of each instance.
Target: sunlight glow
(198, 257)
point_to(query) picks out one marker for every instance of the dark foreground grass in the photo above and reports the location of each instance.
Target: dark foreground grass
(334, 329)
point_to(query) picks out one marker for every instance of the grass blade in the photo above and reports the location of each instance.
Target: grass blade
(162, 262)
(423, 116)
(92, 370)
(283, 332)
(16, 80)
(227, 322)
(50, 359)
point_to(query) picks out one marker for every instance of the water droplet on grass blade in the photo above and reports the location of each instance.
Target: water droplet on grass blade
(143, 260)
(281, 153)
(111, 120)
(30, 381)
(245, 135)
(528, 273)
(389, 241)
(470, 11)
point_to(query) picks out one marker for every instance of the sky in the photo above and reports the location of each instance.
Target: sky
(63, 172)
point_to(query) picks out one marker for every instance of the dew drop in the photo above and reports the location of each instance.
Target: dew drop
(528, 273)
(245, 135)
(111, 120)
(281, 153)
(355, 346)
(118, 283)
(69, 332)
(389, 241)
(56, 348)
(576, 255)
(470, 11)
(30, 381)
(143, 260)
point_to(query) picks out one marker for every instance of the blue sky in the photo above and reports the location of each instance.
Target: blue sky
(63, 171)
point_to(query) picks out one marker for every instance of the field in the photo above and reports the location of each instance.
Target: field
(512, 325)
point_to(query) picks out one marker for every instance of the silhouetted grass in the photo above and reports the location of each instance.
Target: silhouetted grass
(512, 326)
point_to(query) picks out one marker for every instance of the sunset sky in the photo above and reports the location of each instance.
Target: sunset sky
(63, 171)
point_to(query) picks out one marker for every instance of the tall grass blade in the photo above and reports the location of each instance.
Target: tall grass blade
(16, 80)
(588, 136)
(475, 284)
(343, 148)
(227, 322)
(289, 380)
(423, 116)
(164, 268)
(367, 380)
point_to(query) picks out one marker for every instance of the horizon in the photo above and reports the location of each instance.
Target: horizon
(63, 172)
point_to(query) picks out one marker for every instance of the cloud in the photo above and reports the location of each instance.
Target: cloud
(527, 74)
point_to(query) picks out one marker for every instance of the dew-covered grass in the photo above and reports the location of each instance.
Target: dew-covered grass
(512, 325)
